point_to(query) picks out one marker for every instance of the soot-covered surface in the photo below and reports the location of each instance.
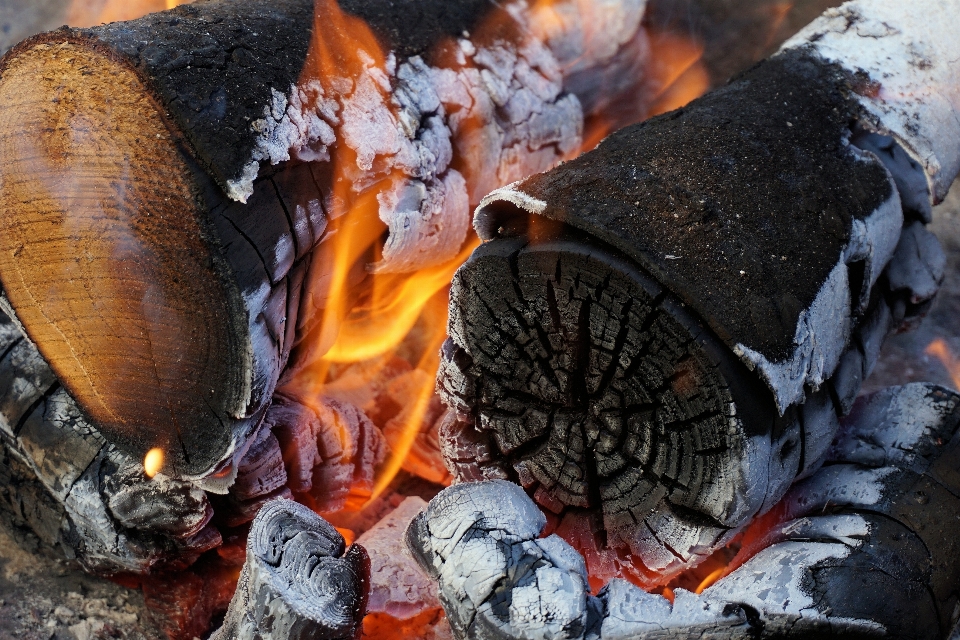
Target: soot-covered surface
(412, 27)
(751, 184)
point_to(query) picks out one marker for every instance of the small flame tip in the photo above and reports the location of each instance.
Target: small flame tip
(153, 462)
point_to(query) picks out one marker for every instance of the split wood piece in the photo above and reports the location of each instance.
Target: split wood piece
(62, 479)
(865, 547)
(653, 331)
(329, 449)
(384, 389)
(298, 583)
(164, 276)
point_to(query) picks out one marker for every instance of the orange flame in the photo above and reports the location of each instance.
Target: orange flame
(712, 577)
(940, 350)
(153, 462)
(676, 70)
(373, 326)
(373, 322)
(89, 13)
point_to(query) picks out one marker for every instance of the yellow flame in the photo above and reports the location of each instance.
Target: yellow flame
(153, 462)
(89, 13)
(942, 352)
(712, 577)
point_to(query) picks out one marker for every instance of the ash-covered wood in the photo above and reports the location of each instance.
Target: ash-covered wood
(665, 331)
(329, 448)
(64, 481)
(863, 548)
(299, 581)
(497, 578)
(200, 272)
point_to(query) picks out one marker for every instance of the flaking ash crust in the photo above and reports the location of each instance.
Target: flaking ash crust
(506, 96)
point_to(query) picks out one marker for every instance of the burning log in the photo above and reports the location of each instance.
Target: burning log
(297, 582)
(665, 330)
(865, 547)
(167, 275)
(62, 479)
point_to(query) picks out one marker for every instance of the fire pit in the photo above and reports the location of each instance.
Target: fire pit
(226, 266)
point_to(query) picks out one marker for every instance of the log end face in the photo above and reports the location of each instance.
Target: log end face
(572, 373)
(107, 260)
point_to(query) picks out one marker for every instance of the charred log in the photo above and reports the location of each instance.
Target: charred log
(666, 330)
(200, 272)
(63, 480)
(299, 581)
(864, 548)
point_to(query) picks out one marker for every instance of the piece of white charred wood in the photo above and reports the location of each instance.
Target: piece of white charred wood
(398, 588)
(469, 95)
(328, 447)
(75, 490)
(497, 578)
(903, 60)
(298, 582)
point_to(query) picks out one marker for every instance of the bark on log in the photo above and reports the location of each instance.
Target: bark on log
(76, 491)
(666, 329)
(167, 283)
(864, 548)
(298, 581)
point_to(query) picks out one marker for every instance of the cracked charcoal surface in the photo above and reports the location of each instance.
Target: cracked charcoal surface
(298, 581)
(599, 392)
(864, 548)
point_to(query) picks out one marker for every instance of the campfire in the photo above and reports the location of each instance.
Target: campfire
(340, 319)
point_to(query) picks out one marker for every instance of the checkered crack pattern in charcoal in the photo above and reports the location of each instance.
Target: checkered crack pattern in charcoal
(62, 480)
(866, 547)
(593, 390)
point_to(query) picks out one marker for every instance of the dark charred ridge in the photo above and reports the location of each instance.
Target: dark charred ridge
(414, 27)
(593, 362)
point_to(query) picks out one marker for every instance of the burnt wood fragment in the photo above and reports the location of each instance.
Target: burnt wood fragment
(299, 581)
(863, 548)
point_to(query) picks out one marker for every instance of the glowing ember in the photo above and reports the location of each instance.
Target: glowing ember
(940, 350)
(153, 462)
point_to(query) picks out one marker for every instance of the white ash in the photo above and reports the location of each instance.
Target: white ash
(504, 109)
(888, 425)
(297, 582)
(823, 329)
(397, 585)
(477, 540)
(497, 579)
(905, 56)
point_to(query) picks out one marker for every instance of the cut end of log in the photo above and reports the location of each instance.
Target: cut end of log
(599, 391)
(107, 260)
